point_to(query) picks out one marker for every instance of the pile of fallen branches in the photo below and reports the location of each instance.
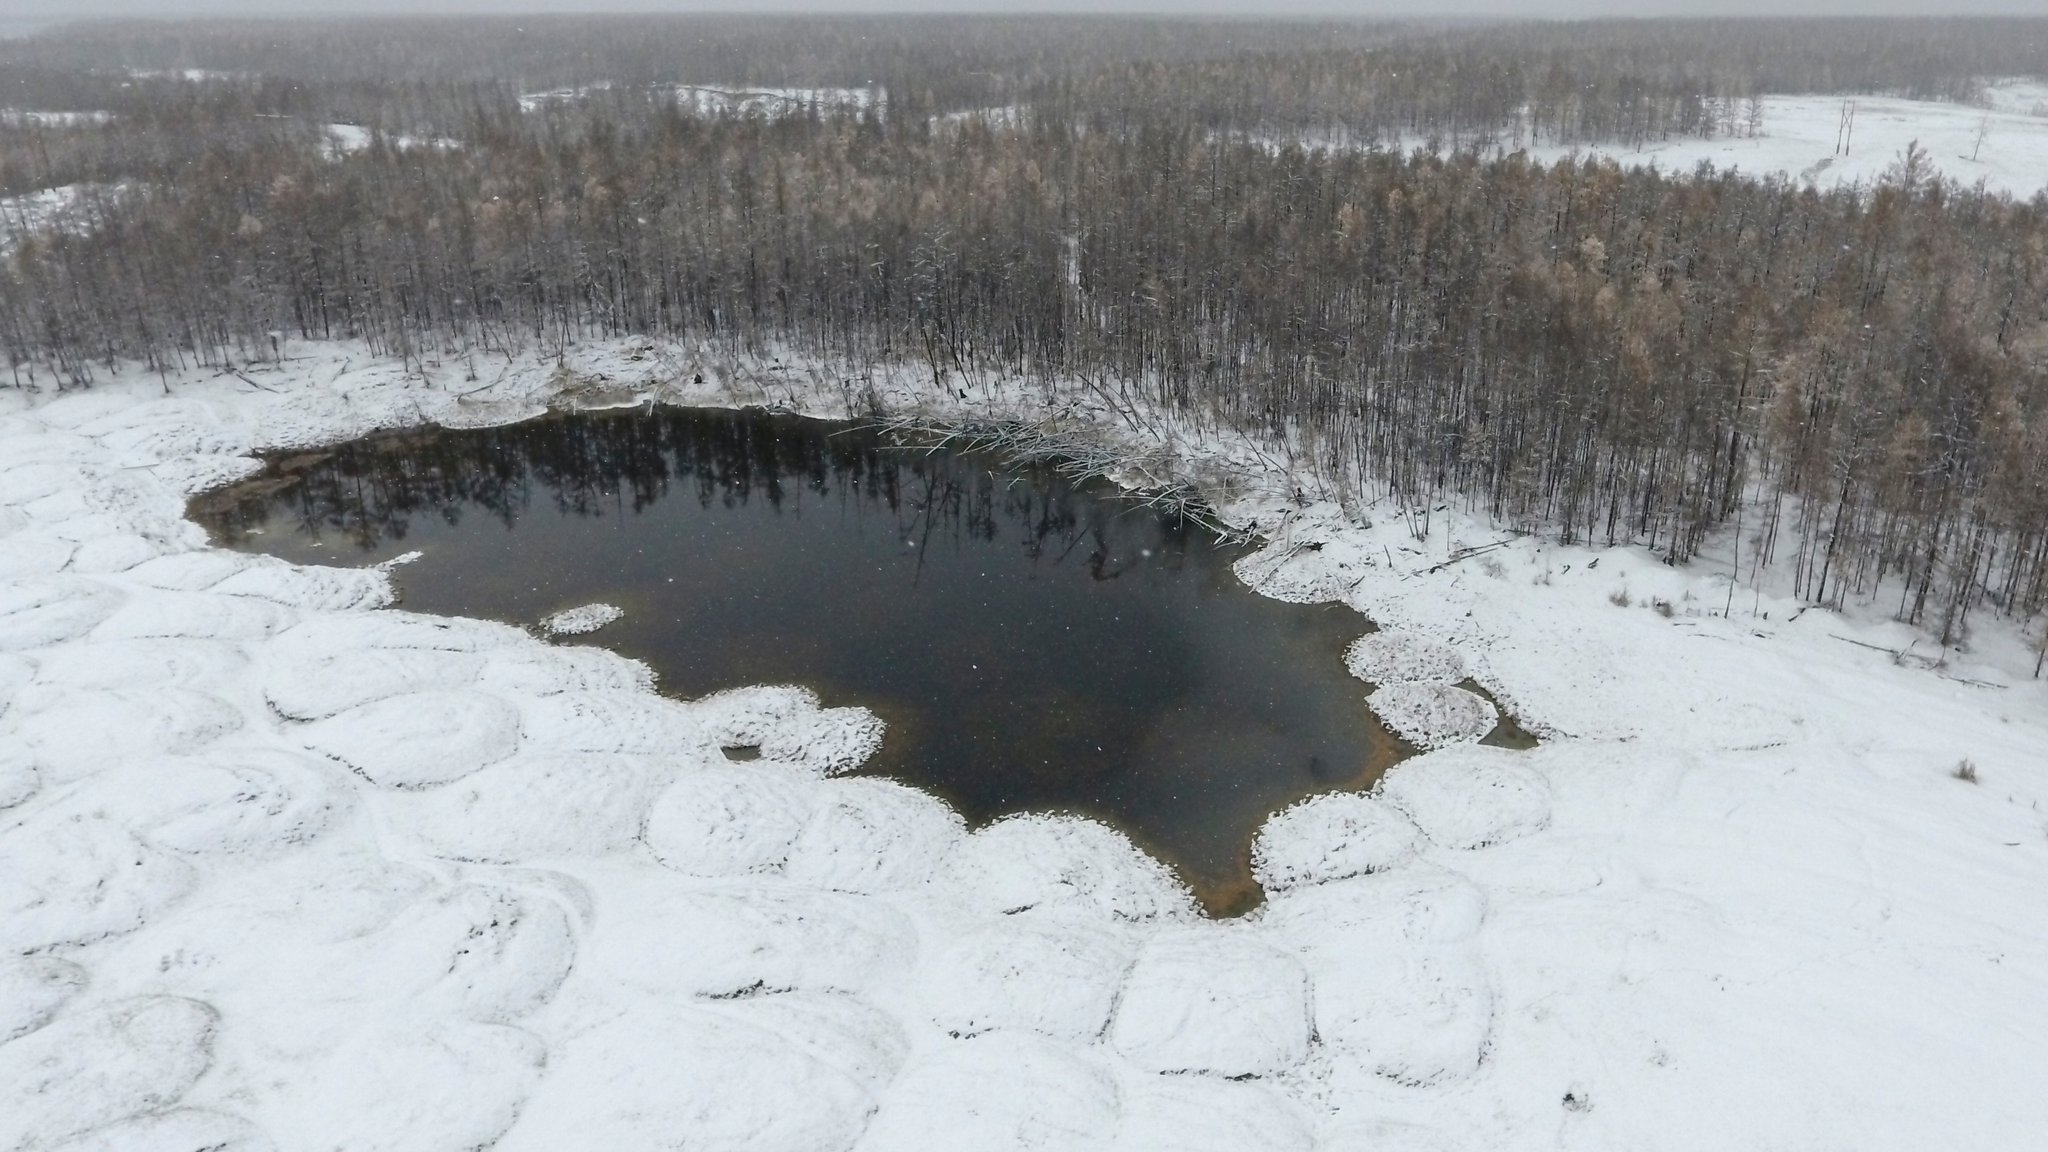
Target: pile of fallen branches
(1152, 476)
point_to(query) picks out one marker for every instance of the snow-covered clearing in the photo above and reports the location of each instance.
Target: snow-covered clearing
(70, 207)
(284, 867)
(1800, 135)
(729, 100)
(18, 117)
(340, 140)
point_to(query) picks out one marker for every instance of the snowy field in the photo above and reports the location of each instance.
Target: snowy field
(283, 866)
(1800, 133)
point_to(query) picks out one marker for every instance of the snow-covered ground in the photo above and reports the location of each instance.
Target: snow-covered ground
(72, 207)
(16, 117)
(340, 140)
(1800, 134)
(284, 867)
(730, 100)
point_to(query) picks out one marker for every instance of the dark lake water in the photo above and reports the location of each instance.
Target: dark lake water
(1032, 645)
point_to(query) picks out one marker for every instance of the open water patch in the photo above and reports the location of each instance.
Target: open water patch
(1033, 644)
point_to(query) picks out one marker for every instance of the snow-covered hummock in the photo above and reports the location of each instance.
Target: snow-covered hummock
(284, 867)
(581, 620)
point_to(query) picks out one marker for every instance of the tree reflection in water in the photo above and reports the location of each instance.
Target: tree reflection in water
(1032, 645)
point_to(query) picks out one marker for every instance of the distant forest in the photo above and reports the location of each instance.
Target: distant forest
(1127, 207)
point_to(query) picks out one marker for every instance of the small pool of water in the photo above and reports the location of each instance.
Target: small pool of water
(1032, 645)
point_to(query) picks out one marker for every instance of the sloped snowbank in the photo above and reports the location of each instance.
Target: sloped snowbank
(283, 867)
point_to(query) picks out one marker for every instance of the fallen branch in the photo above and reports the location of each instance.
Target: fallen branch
(1468, 553)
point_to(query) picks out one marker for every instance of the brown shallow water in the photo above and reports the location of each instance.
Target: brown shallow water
(1032, 645)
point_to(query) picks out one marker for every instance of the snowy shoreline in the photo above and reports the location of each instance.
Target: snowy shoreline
(283, 867)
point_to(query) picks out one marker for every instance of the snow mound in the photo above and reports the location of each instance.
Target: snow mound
(15, 673)
(303, 684)
(385, 1087)
(1433, 715)
(419, 739)
(641, 722)
(1382, 1136)
(1330, 837)
(1400, 989)
(535, 806)
(786, 723)
(1159, 1115)
(731, 821)
(545, 671)
(191, 571)
(34, 553)
(70, 879)
(35, 613)
(1213, 1000)
(1469, 797)
(321, 589)
(767, 817)
(1420, 1019)
(32, 989)
(1316, 560)
(1391, 657)
(238, 800)
(750, 938)
(1041, 861)
(1004, 1090)
(178, 1130)
(19, 779)
(1053, 975)
(715, 1080)
(101, 1066)
(149, 662)
(194, 615)
(579, 621)
(865, 835)
(115, 553)
(73, 734)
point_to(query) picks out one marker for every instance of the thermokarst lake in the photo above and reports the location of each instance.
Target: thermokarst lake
(1031, 644)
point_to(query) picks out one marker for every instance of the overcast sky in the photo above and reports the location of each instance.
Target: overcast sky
(72, 9)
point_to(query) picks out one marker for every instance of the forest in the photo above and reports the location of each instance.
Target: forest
(1599, 353)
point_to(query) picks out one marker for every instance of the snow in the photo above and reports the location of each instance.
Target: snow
(1393, 657)
(1213, 1000)
(726, 100)
(580, 621)
(711, 100)
(1332, 837)
(1799, 134)
(1432, 715)
(339, 140)
(66, 207)
(1800, 137)
(17, 117)
(284, 867)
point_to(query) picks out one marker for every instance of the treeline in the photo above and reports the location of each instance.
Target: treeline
(1564, 83)
(1595, 81)
(1605, 354)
